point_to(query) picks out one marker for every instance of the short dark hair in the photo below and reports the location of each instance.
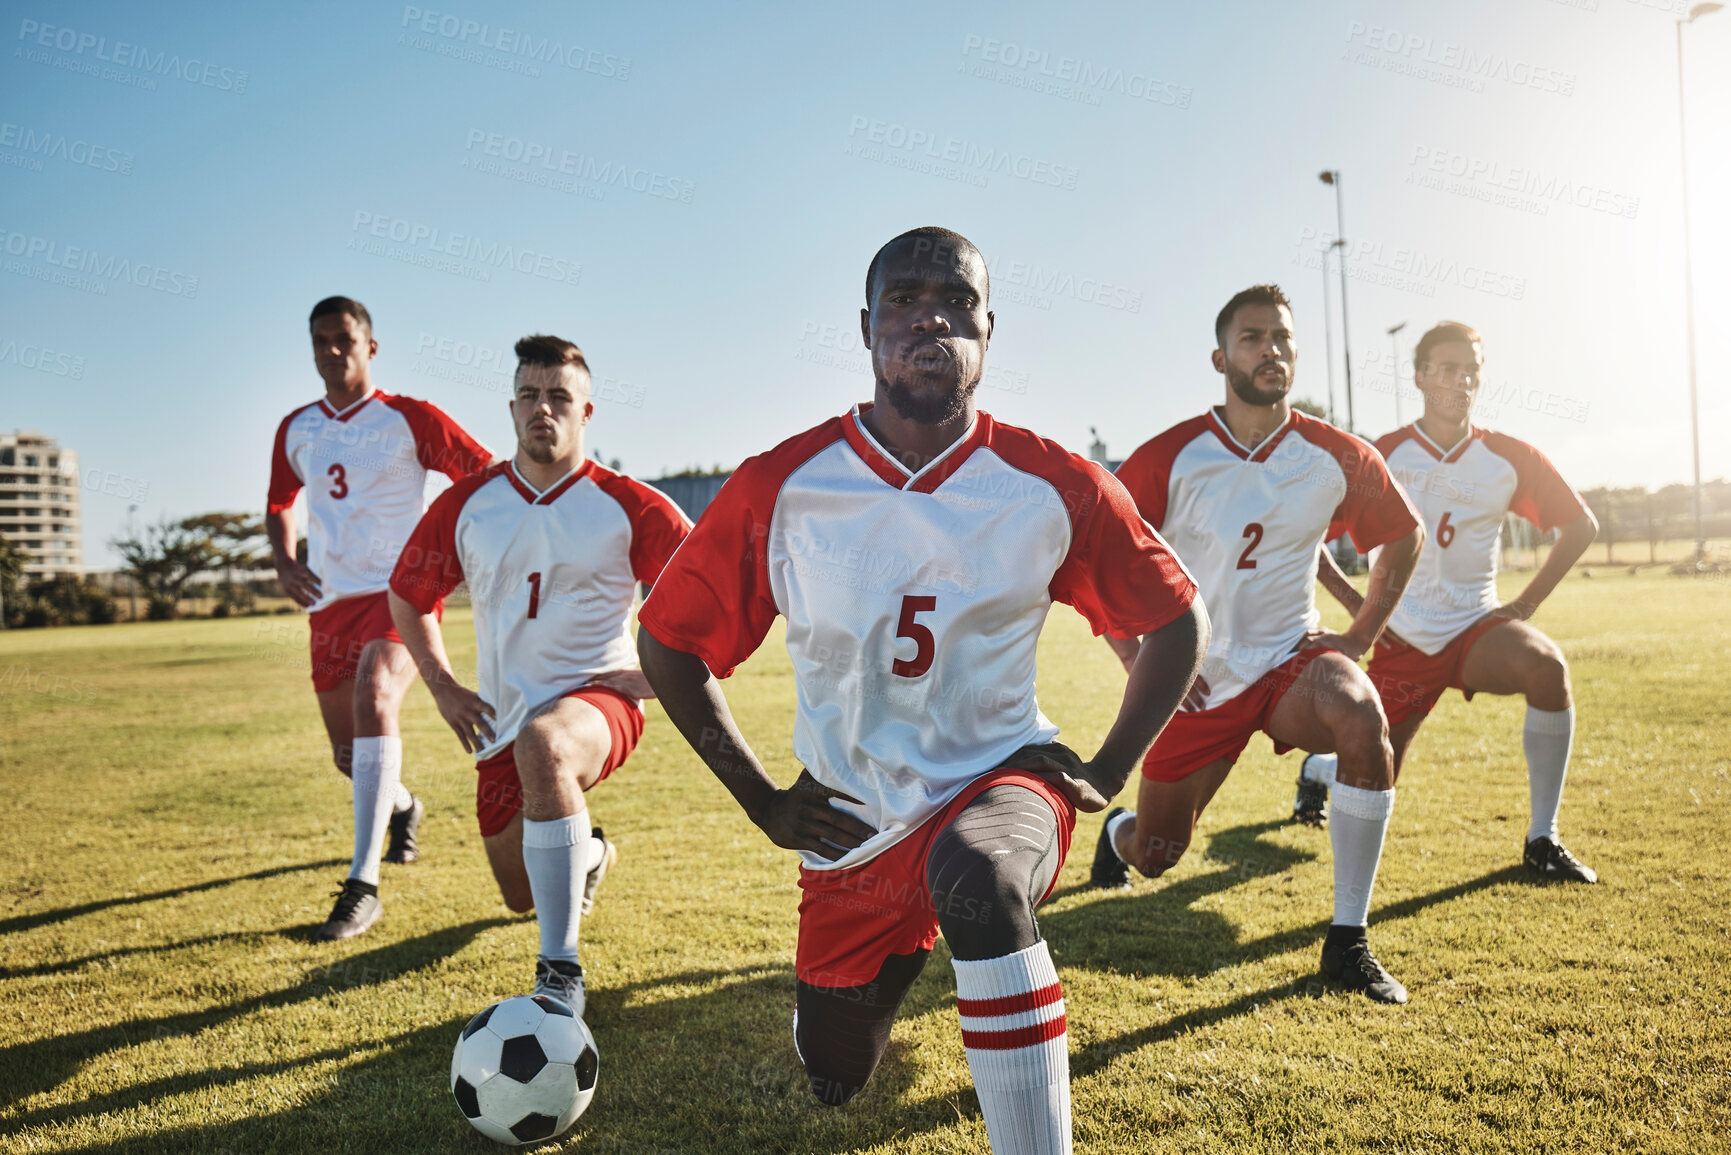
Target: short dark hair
(549, 351)
(939, 238)
(347, 305)
(1254, 295)
(1440, 333)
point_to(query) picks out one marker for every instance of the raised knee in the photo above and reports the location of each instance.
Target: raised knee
(519, 903)
(1551, 682)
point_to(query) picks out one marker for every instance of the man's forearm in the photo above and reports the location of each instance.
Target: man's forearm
(1571, 544)
(1388, 578)
(1338, 585)
(1166, 664)
(279, 530)
(424, 639)
(692, 697)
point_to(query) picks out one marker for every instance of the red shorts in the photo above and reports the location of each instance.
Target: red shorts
(851, 920)
(499, 792)
(1410, 681)
(342, 630)
(1194, 738)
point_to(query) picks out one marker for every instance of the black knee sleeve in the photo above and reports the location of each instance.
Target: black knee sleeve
(988, 868)
(841, 1032)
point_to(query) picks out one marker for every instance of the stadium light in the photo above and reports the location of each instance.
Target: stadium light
(1332, 177)
(1394, 370)
(1328, 336)
(1695, 13)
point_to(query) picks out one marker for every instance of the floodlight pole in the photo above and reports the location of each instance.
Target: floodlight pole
(1689, 280)
(1332, 177)
(1328, 334)
(1394, 370)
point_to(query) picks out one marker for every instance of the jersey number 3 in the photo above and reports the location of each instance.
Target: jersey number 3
(925, 645)
(339, 480)
(1253, 531)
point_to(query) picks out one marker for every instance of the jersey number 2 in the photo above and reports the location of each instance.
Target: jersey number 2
(339, 480)
(925, 645)
(1253, 531)
(1445, 532)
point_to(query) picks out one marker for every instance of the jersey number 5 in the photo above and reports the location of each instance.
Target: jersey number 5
(1445, 532)
(925, 645)
(1253, 531)
(339, 480)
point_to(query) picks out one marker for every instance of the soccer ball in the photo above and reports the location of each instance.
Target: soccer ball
(524, 1069)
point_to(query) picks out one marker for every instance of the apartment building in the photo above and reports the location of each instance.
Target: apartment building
(39, 503)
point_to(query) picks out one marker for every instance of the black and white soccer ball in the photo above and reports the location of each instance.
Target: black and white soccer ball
(524, 1069)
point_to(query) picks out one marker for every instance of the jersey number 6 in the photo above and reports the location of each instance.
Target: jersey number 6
(925, 644)
(1445, 532)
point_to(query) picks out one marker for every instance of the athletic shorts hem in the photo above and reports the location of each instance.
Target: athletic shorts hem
(498, 790)
(1410, 681)
(1195, 739)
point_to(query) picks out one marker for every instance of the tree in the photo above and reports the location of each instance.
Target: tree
(168, 556)
(12, 562)
(1304, 405)
(236, 538)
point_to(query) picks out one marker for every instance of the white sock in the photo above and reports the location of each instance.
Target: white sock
(1320, 768)
(404, 801)
(1546, 738)
(1013, 1029)
(556, 856)
(377, 769)
(1112, 828)
(597, 851)
(1356, 828)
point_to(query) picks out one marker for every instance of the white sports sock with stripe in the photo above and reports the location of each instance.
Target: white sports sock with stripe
(1320, 768)
(1013, 1028)
(376, 769)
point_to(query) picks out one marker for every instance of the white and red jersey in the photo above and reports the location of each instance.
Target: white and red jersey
(365, 473)
(1247, 523)
(914, 600)
(1462, 493)
(552, 577)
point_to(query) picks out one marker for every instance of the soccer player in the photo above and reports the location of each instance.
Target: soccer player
(914, 546)
(362, 455)
(552, 546)
(1449, 630)
(1246, 493)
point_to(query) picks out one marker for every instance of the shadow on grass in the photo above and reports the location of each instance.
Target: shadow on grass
(25, 922)
(73, 964)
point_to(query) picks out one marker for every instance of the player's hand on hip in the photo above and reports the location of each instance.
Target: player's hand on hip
(467, 713)
(1515, 611)
(301, 584)
(1073, 777)
(802, 818)
(1340, 643)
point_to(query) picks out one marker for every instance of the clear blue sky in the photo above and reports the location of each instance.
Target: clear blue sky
(1509, 163)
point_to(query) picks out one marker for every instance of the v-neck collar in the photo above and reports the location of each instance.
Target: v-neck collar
(350, 411)
(551, 494)
(892, 472)
(1263, 449)
(1446, 456)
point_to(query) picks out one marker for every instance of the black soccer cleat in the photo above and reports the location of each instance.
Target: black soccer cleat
(402, 847)
(1348, 962)
(357, 909)
(1550, 860)
(557, 979)
(1311, 805)
(1109, 871)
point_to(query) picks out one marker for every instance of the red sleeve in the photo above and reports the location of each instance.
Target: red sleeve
(714, 598)
(285, 483)
(1375, 510)
(1388, 442)
(658, 526)
(1541, 495)
(1118, 573)
(429, 566)
(441, 445)
(1147, 473)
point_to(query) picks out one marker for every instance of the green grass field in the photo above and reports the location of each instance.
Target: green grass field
(172, 832)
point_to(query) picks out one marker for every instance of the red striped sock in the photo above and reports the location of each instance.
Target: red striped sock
(1012, 1011)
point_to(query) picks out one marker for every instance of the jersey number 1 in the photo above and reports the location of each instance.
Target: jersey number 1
(534, 593)
(925, 646)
